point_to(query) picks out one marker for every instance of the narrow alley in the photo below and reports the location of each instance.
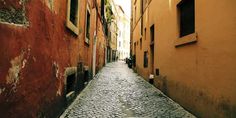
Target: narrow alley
(117, 58)
(117, 91)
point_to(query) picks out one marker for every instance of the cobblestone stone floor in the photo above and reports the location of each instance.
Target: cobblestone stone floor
(117, 91)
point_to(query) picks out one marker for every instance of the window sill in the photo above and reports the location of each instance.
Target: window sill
(72, 27)
(189, 39)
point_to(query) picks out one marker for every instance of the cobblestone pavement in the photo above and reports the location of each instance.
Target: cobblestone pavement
(117, 91)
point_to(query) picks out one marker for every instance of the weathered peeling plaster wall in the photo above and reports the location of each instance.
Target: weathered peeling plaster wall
(34, 55)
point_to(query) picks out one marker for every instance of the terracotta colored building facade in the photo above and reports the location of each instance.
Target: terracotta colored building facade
(112, 36)
(189, 47)
(49, 49)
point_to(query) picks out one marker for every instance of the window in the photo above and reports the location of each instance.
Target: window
(124, 44)
(119, 43)
(141, 43)
(145, 30)
(102, 8)
(141, 7)
(145, 59)
(123, 34)
(186, 17)
(72, 16)
(87, 26)
(141, 29)
(73, 11)
(152, 34)
(141, 13)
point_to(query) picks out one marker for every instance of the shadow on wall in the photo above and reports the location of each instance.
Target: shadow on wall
(76, 79)
(216, 107)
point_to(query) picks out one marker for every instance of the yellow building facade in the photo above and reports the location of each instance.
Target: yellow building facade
(189, 47)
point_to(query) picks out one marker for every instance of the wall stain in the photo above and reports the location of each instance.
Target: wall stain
(49, 4)
(17, 64)
(14, 72)
(55, 69)
(58, 76)
(220, 106)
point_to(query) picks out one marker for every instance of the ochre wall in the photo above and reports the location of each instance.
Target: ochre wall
(199, 76)
(34, 57)
(101, 48)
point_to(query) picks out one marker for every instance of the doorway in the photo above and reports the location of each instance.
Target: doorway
(152, 36)
(152, 59)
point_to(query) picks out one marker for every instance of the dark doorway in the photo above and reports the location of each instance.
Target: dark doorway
(152, 36)
(70, 83)
(152, 59)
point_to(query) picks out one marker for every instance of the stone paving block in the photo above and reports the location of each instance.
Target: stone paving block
(118, 92)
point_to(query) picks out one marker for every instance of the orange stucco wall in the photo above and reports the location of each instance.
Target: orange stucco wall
(200, 76)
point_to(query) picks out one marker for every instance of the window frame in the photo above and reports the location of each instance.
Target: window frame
(74, 28)
(182, 28)
(189, 38)
(145, 59)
